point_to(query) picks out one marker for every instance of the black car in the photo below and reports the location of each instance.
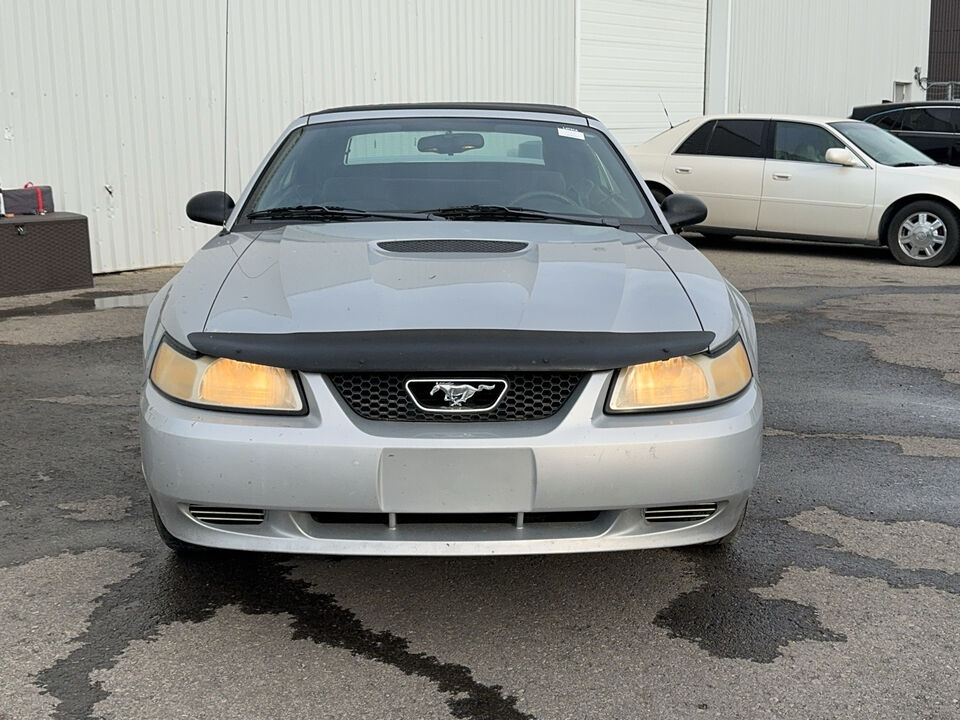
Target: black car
(931, 127)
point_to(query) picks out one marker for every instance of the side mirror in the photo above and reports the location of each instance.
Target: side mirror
(842, 156)
(683, 210)
(213, 207)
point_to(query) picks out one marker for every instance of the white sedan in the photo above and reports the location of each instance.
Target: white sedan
(809, 179)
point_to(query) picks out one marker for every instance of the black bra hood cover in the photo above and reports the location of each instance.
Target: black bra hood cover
(450, 350)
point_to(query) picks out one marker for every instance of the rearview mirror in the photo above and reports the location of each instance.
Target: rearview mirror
(213, 207)
(450, 143)
(683, 210)
(842, 156)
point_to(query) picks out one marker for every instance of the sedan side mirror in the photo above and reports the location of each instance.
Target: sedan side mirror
(842, 156)
(683, 210)
(213, 207)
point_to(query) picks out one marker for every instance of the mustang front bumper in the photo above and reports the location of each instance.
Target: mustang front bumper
(301, 470)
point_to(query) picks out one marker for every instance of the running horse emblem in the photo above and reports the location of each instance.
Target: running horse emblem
(457, 394)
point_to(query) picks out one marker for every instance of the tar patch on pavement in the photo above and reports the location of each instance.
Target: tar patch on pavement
(168, 589)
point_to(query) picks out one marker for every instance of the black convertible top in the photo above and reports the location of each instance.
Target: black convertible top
(513, 107)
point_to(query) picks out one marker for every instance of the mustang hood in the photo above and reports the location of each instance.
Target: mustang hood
(376, 276)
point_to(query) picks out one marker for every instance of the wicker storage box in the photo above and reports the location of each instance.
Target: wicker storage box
(40, 253)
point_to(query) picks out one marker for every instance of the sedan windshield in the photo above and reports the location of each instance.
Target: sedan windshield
(448, 169)
(880, 145)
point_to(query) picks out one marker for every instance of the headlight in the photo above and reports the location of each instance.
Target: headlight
(225, 384)
(681, 381)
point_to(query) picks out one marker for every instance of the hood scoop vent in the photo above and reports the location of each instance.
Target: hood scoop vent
(452, 246)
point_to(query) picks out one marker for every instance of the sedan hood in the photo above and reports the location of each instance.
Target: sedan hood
(937, 173)
(373, 276)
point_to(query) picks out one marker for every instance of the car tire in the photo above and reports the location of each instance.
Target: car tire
(728, 538)
(180, 547)
(923, 227)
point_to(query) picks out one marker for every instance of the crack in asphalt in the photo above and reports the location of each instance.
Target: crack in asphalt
(171, 589)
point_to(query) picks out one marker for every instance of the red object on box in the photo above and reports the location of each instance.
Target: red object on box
(39, 196)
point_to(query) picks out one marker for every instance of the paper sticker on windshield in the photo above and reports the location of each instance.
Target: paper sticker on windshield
(570, 133)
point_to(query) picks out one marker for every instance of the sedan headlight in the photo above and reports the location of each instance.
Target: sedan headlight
(224, 384)
(681, 381)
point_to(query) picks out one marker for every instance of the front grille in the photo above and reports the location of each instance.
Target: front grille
(226, 515)
(512, 519)
(679, 513)
(452, 246)
(529, 396)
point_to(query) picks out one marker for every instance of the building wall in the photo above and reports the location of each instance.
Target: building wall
(120, 104)
(635, 52)
(944, 62)
(822, 57)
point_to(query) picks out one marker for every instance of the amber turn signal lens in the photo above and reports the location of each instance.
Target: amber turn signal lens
(174, 373)
(730, 371)
(681, 381)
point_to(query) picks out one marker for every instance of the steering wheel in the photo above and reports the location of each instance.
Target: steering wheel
(542, 193)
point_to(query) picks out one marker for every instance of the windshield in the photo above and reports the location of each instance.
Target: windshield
(881, 145)
(413, 165)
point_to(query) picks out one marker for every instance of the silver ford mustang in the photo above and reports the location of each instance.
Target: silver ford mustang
(448, 330)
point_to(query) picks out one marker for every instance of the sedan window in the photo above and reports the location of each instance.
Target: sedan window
(696, 143)
(801, 142)
(737, 138)
(881, 145)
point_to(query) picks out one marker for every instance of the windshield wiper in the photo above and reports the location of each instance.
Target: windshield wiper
(331, 212)
(909, 164)
(503, 212)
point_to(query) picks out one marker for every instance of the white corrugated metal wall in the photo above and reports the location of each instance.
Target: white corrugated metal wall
(104, 100)
(822, 57)
(120, 105)
(631, 51)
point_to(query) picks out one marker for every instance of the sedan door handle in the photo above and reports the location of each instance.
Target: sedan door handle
(781, 176)
(682, 170)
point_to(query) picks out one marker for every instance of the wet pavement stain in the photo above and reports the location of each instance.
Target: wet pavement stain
(169, 589)
(715, 617)
(83, 302)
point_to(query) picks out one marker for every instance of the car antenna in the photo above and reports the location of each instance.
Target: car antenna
(226, 69)
(664, 110)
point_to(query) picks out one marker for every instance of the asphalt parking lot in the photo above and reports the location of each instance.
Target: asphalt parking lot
(839, 599)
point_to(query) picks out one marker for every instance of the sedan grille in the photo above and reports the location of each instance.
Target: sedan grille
(226, 515)
(529, 396)
(679, 513)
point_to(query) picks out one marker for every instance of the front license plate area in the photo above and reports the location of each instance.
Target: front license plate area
(457, 481)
